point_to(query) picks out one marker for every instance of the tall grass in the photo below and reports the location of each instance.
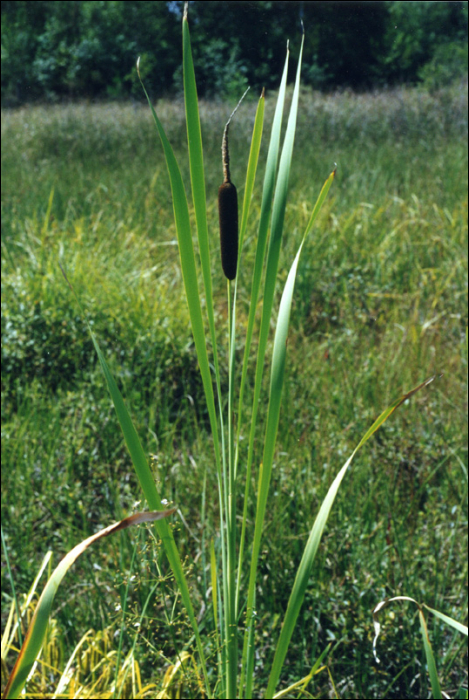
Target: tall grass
(228, 448)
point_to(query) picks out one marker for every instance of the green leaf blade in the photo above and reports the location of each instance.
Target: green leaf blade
(189, 274)
(35, 636)
(304, 570)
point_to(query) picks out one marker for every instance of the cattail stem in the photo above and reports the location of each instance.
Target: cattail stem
(224, 146)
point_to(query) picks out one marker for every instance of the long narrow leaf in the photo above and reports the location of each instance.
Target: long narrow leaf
(189, 273)
(250, 177)
(269, 181)
(278, 215)
(37, 629)
(265, 215)
(432, 672)
(196, 163)
(248, 190)
(252, 166)
(275, 396)
(277, 379)
(9, 632)
(266, 208)
(147, 483)
(448, 620)
(304, 570)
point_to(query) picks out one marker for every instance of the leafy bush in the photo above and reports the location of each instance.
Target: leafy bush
(448, 64)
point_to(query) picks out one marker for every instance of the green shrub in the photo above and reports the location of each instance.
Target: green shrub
(449, 64)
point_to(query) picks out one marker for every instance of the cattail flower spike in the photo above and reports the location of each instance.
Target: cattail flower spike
(228, 209)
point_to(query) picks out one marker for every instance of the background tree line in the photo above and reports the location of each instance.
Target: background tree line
(55, 50)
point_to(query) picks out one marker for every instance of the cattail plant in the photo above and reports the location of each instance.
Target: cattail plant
(234, 582)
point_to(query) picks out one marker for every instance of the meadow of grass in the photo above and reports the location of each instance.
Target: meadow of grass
(379, 306)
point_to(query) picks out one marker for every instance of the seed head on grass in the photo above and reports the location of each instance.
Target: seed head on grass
(228, 210)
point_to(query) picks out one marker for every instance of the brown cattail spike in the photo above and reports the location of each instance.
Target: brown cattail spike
(228, 210)
(228, 217)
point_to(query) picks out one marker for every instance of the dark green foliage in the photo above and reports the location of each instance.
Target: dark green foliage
(89, 49)
(448, 64)
(228, 216)
(416, 31)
